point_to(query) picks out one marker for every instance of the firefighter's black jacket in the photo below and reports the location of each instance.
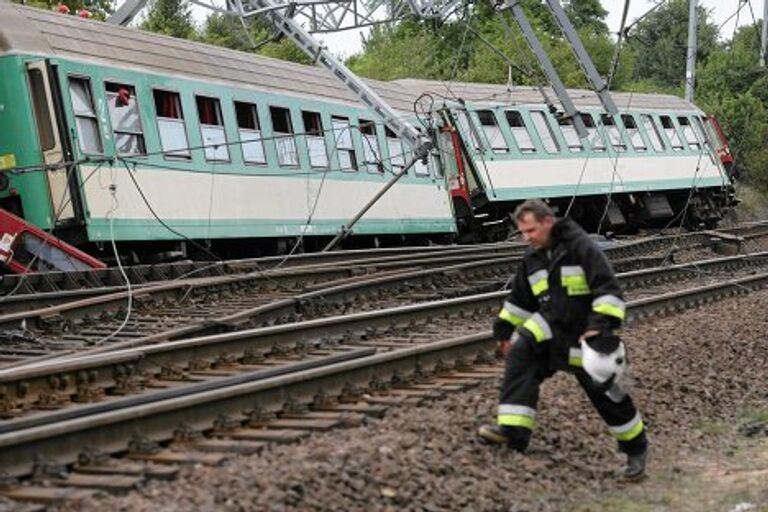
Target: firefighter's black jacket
(562, 291)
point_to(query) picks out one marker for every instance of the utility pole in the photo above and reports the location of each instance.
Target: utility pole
(764, 40)
(690, 64)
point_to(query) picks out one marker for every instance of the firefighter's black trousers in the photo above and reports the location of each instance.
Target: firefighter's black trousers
(529, 363)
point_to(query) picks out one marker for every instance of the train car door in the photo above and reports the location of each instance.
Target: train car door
(45, 102)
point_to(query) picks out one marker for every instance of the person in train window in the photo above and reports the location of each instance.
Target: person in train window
(561, 314)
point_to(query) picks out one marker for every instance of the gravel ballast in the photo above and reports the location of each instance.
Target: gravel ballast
(692, 370)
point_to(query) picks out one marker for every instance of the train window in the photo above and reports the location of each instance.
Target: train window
(85, 115)
(492, 131)
(170, 121)
(42, 110)
(595, 138)
(544, 129)
(571, 137)
(634, 132)
(669, 129)
(249, 130)
(653, 132)
(371, 146)
(700, 131)
(283, 131)
(614, 135)
(342, 135)
(520, 131)
(419, 167)
(467, 125)
(688, 134)
(396, 155)
(125, 118)
(313, 130)
(212, 128)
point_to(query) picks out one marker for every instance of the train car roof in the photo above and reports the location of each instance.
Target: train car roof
(34, 31)
(495, 94)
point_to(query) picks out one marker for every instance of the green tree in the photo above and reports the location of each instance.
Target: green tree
(660, 43)
(171, 18)
(230, 32)
(99, 9)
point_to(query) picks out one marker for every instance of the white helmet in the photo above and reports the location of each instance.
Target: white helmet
(602, 367)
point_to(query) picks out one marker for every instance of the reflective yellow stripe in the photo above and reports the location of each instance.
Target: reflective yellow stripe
(540, 287)
(575, 357)
(609, 310)
(538, 281)
(514, 314)
(509, 317)
(539, 327)
(517, 420)
(610, 305)
(631, 433)
(575, 285)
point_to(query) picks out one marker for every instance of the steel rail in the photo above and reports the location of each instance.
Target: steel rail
(110, 429)
(125, 369)
(630, 280)
(40, 282)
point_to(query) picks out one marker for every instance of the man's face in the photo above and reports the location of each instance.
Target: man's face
(536, 232)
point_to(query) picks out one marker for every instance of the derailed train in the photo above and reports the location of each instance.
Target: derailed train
(109, 133)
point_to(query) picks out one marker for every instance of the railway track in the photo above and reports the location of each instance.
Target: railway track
(241, 409)
(208, 305)
(95, 375)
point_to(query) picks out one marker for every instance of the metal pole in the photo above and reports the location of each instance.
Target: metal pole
(764, 40)
(619, 40)
(548, 68)
(690, 64)
(347, 229)
(582, 57)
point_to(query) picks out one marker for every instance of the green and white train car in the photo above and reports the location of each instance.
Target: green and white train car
(211, 143)
(116, 133)
(660, 157)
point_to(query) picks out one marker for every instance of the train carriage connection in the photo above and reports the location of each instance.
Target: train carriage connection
(149, 140)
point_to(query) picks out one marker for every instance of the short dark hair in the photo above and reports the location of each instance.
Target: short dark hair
(537, 207)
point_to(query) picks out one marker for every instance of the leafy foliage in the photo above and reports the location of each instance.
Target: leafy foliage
(99, 9)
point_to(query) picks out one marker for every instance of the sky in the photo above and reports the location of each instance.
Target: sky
(348, 43)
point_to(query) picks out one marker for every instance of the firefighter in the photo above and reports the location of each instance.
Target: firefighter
(561, 314)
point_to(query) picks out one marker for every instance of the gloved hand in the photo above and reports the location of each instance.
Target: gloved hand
(503, 348)
(502, 330)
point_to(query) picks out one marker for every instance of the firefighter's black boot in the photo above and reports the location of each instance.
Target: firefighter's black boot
(635, 467)
(500, 434)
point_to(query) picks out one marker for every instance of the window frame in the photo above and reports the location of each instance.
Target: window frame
(171, 155)
(499, 132)
(277, 136)
(254, 109)
(375, 167)
(400, 156)
(623, 147)
(578, 147)
(593, 133)
(320, 136)
(528, 150)
(656, 133)
(638, 133)
(142, 134)
(674, 130)
(350, 151)
(550, 130)
(696, 142)
(94, 116)
(205, 146)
